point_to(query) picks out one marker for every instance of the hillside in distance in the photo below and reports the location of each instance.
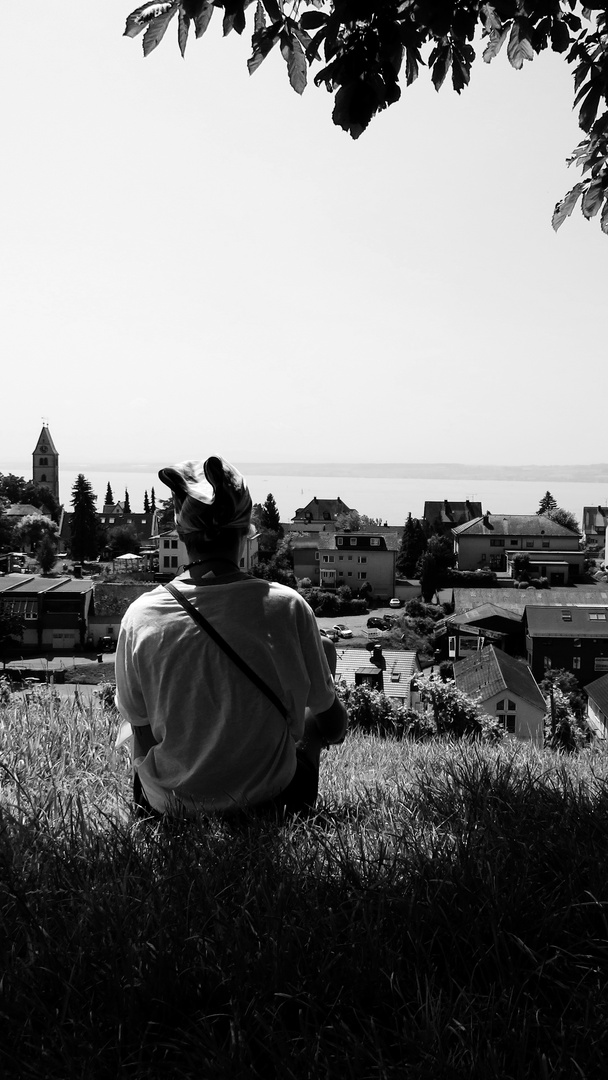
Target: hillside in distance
(438, 470)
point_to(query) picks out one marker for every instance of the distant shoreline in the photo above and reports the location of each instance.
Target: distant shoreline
(594, 473)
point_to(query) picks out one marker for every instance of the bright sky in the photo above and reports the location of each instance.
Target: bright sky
(194, 261)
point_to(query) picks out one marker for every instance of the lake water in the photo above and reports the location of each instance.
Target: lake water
(389, 499)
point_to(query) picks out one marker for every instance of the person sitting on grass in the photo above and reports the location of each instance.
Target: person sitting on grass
(236, 723)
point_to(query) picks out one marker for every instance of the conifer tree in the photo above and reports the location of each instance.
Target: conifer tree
(84, 524)
(152, 500)
(270, 517)
(146, 503)
(109, 496)
(547, 503)
(413, 543)
(127, 503)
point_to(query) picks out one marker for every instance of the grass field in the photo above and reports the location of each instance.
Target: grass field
(444, 916)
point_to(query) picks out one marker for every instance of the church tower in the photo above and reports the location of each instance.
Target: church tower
(45, 462)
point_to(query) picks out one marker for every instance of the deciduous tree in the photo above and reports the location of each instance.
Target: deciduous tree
(367, 50)
(46, 554)
(565, 518)
(31, 530)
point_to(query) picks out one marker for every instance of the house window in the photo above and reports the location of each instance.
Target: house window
(340, 558)
(509, 723)
(362, 558)
(597, 616)
(529, 543)
(349, 574)
(452, 646)
(174, 543)
(576, 663)
(353, 541)
(497, 543)
(375, 541)
(173, 562)
(547, 663)
(507, 715)
(567, 616)
(43, 477)
(316, 556)
(545, 543)
(361, 575)
(350, 558)
(111, 521)
(339, 541)
(166, 561)
(515, 542)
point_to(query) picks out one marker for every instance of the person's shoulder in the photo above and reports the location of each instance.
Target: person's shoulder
(146, 602)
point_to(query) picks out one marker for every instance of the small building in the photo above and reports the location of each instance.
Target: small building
(505, 688)
(488, 624)
(443, 516)
(393, 673)
(321, 512)
(594, 524)
(572, 638)
(492, 541)
(355, 559)
(597, 706)
(55, 611)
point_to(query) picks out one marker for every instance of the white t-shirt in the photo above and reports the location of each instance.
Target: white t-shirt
(221, 742)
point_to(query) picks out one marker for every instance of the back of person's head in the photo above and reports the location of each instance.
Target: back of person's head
(211, 501)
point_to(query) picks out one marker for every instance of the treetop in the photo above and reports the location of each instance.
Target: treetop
(366, 49)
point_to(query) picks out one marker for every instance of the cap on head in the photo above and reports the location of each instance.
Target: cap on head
(208, 496)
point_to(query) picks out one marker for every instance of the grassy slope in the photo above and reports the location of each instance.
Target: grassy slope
(445, 918)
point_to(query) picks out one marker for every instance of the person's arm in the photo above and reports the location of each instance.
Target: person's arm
(333, 723)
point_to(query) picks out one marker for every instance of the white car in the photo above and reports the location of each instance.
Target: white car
(395, 602)
(342, 629)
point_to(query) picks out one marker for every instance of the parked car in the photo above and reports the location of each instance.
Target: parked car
(342, 630)
(377, 624)
(331, 634)
(395, 602)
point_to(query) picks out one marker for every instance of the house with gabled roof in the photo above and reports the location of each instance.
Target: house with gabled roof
(505, 688)
(442, 516)
(355, 559)
(493, 540)
(321, 512)
(486, 624)
(393, 673)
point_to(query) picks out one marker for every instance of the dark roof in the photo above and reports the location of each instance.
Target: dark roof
(490, 671)
(519, 599)
(483, 612)
(46, 439)
(598, 692)
(23, 510)
(322, 509)
(24, 585)
(514, 525)
(567, 621)
(451, 513)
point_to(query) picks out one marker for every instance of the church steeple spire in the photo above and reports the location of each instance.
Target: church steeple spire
(45, 462)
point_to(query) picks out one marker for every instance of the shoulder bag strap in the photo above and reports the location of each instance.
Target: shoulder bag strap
(234, 656)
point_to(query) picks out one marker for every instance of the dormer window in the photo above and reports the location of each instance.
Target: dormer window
(566, 616)
(375, 541)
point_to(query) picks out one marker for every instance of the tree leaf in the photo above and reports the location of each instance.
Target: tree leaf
(593, 198)
(158, 27)
(564, 208)
(294, 57)
(560, 36)
(604, 218)
(202, 20)
(590, 105)
(139, 19)
(440, 60)
(263, 41)
(310, 20)
(259, 21)
(183, 30)
(519, 47)
(496, 42)
(275, 13)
